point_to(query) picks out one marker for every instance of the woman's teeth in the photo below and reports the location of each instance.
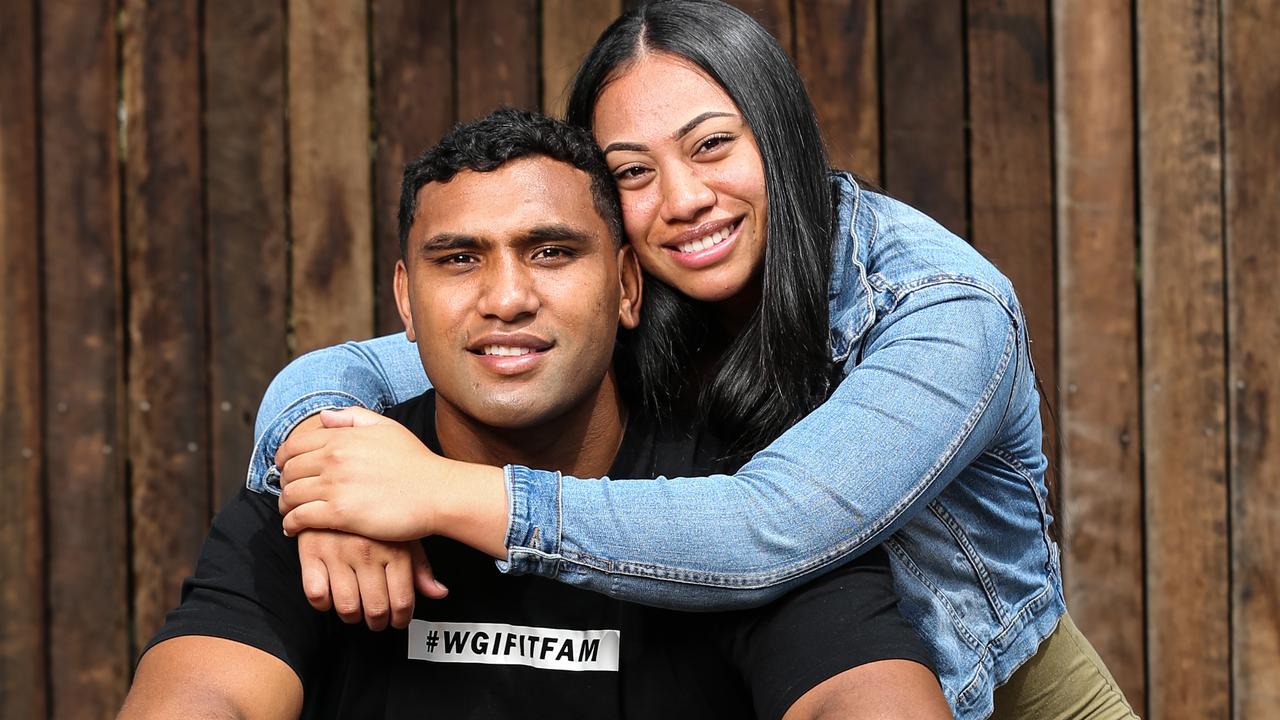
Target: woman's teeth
(711, 240)
(505, 351)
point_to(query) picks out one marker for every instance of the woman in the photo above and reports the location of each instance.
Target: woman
(898, 406)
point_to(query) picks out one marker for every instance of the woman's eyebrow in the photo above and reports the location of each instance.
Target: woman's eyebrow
(625, 146)
(684, 129)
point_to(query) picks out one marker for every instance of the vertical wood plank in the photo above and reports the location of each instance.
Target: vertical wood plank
(245, 197)
(836, 54)
(775, 16)
(1252, 104)
(168, 416)
(330, 207)
(1184, 358)
(22, 648)
(924, 122)
(1100, 408)
(569, 29)
(414, 105)
(1011, 168)
(497, 44)
(87, 585)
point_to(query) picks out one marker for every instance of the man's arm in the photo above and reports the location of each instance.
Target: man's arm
(200, 677)
(876, 691)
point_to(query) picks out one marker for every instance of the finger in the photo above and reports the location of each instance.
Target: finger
(315, 577)
(302, 438)
(373, 594)
(424, 578)
(346, 592)
(400, 589)
(308, 464)
(302, 491)
(363, 417)
(337, 418)
(314, 514)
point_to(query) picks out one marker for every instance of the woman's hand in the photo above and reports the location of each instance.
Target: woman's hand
(360, 473)
(365, 474)
(363, 578)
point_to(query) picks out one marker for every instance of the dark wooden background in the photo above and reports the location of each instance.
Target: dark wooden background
(193, 192)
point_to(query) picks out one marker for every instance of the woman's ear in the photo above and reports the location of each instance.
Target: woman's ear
(632, 287)
(403, 304)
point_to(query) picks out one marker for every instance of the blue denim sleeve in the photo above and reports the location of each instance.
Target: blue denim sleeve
(374, 374)
(929, 395)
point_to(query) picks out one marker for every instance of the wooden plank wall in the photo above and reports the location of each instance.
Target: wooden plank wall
(193, 192)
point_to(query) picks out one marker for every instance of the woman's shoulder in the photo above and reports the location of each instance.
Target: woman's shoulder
(900, 247)
(884, 250)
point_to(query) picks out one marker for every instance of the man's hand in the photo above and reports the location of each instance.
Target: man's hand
(359, 577)
(361, 473)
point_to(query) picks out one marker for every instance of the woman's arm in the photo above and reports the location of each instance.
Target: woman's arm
(931, 393)
(374, 373)
(937, 380)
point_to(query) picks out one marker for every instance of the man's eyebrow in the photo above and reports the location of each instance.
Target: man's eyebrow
(559, 232)
(450, 241)
(684, 129)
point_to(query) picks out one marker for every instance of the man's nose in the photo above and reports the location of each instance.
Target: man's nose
(685, 194)
(509, 292)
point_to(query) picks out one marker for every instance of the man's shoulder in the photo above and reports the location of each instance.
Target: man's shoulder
(674, 445)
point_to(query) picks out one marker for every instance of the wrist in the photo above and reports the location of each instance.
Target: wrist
(471, 507)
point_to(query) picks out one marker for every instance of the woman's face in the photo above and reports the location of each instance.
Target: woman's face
(690, 176)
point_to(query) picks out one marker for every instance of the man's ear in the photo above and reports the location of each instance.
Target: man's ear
(632, 282)
(402, 299)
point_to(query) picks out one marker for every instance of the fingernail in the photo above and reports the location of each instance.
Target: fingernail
(286, 532)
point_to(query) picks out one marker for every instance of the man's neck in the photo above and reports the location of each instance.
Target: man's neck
(581, 442)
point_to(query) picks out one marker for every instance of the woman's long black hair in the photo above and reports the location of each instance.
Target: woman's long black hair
(778, 367)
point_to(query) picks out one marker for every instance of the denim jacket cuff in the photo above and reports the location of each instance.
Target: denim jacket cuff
(533, 528)
(264, 476)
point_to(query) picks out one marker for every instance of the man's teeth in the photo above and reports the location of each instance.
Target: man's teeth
(711, 240)
(505, 351)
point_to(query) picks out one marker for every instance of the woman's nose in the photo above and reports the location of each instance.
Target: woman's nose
(685, 195)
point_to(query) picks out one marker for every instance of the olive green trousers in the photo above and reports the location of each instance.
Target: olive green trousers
(1064, 680)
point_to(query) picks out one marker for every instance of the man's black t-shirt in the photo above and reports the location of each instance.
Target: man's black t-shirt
(507, 646)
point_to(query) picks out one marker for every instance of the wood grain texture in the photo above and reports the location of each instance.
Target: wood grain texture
(1100, 407)
(23, 661)
(88, 565)
(497, 51)
(922, 47)
(168, 414)
(569, 29)
(1251, 71)
(1184, 376)
(775, 16)
(330, 206)
(836, 53)
(245, 170)
(1011, 170)
(414, 105)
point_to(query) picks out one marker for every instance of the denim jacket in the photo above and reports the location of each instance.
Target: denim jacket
(930, 444)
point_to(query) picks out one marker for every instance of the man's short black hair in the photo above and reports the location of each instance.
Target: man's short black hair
(504, 135)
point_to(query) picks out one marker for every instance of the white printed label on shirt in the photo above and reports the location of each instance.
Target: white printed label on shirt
(500, 644)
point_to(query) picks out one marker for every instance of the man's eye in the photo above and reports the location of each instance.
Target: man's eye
(458, 259)
(552, 253)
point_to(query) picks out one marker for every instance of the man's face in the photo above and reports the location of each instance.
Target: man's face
(513, 290)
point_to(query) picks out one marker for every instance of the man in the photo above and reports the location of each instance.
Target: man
(514, 281)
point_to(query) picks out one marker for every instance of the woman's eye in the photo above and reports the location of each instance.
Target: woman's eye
(713, 143)
(630, 172)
